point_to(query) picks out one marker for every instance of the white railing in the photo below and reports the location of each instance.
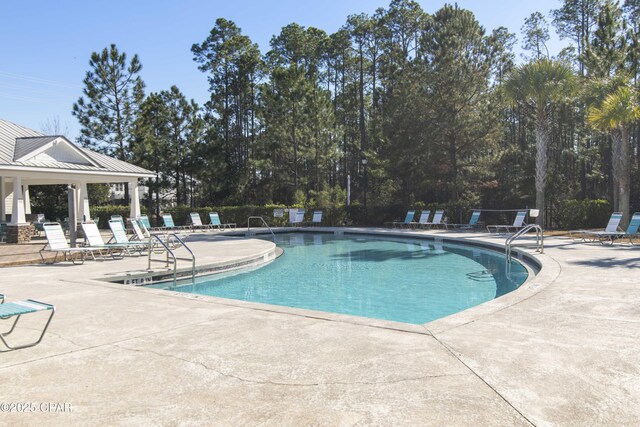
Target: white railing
(169, 252)
(263, 221)
(539, 239)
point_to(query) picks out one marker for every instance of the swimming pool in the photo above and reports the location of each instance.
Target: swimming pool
(399, 279)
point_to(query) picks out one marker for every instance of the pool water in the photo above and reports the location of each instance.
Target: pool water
(404, 280)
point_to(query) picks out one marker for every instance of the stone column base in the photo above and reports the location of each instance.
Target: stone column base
(19, 233)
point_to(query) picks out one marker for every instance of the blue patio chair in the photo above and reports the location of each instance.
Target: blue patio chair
(473, 223)
(167, 219)
(215, 221)
(408, 220)
(18, 309)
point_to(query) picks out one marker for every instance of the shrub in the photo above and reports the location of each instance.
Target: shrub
(575, 214)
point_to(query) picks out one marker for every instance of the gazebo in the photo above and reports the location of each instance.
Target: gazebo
(28, 157)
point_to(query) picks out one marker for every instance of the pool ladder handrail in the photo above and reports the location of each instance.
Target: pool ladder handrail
(263, 221)
(539, 239)
(168, 251)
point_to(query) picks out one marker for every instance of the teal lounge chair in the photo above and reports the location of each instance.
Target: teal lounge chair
(120, 237)
(518, 223)
(215, 221)
(119, 218)
(408, 220)
(18, 309)
(611, 236)
(169, 224)
(473, 223)
(143, 220)
(613, 226)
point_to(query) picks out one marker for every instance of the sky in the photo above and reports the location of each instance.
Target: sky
(45, 46)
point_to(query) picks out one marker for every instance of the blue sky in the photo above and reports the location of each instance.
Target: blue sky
(46, 45)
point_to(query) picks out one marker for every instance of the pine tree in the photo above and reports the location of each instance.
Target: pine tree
(114, 91)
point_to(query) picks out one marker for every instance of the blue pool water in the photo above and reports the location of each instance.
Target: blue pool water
(405, 280)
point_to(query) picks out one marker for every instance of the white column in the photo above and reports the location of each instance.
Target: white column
(27, 200)
(84, 213)
(17, 213)
(2, 200)
(134, 193)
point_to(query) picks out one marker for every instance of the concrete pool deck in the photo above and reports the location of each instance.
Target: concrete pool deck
(562, 350)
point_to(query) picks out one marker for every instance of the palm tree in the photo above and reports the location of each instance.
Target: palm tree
(540, 84)
(616, 114)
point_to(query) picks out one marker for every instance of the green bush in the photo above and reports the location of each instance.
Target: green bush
(105, 212)
(575, 214)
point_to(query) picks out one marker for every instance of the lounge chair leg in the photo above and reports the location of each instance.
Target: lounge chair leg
(44, 330)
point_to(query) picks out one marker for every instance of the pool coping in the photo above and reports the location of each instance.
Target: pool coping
(548, 271)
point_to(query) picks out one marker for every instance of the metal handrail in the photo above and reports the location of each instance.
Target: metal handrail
(263, 221)
(193, 257)
(170, 252)
(539, 239)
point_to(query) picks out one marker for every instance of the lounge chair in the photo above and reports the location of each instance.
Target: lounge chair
(316, 218)
(119, 218)
(120, 237)
(93, 239)
(424, 219)
(611, 236)
(214, 219)
(196, 222)
(57, 242)
(437, 220)
(143, 221)
(473, 223)
(296, 216)
(613, 226)
(518, 223)
(18, 309)
(142, 234)
(1, 298)
(169, 224)
(408, 220)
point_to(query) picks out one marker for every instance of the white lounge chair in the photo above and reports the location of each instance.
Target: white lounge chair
(613, 226)
(18, 309)
(423, 221)
(518, 223)
(296, 216)
(93, 239)
(610, 236)
(437, 219)
(196, 222)
(57, 242)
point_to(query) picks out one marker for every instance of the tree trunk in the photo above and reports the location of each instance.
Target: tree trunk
(616, 168)
(625, 175)
(542, 142)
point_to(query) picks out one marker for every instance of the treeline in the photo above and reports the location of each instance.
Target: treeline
(407, 106)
